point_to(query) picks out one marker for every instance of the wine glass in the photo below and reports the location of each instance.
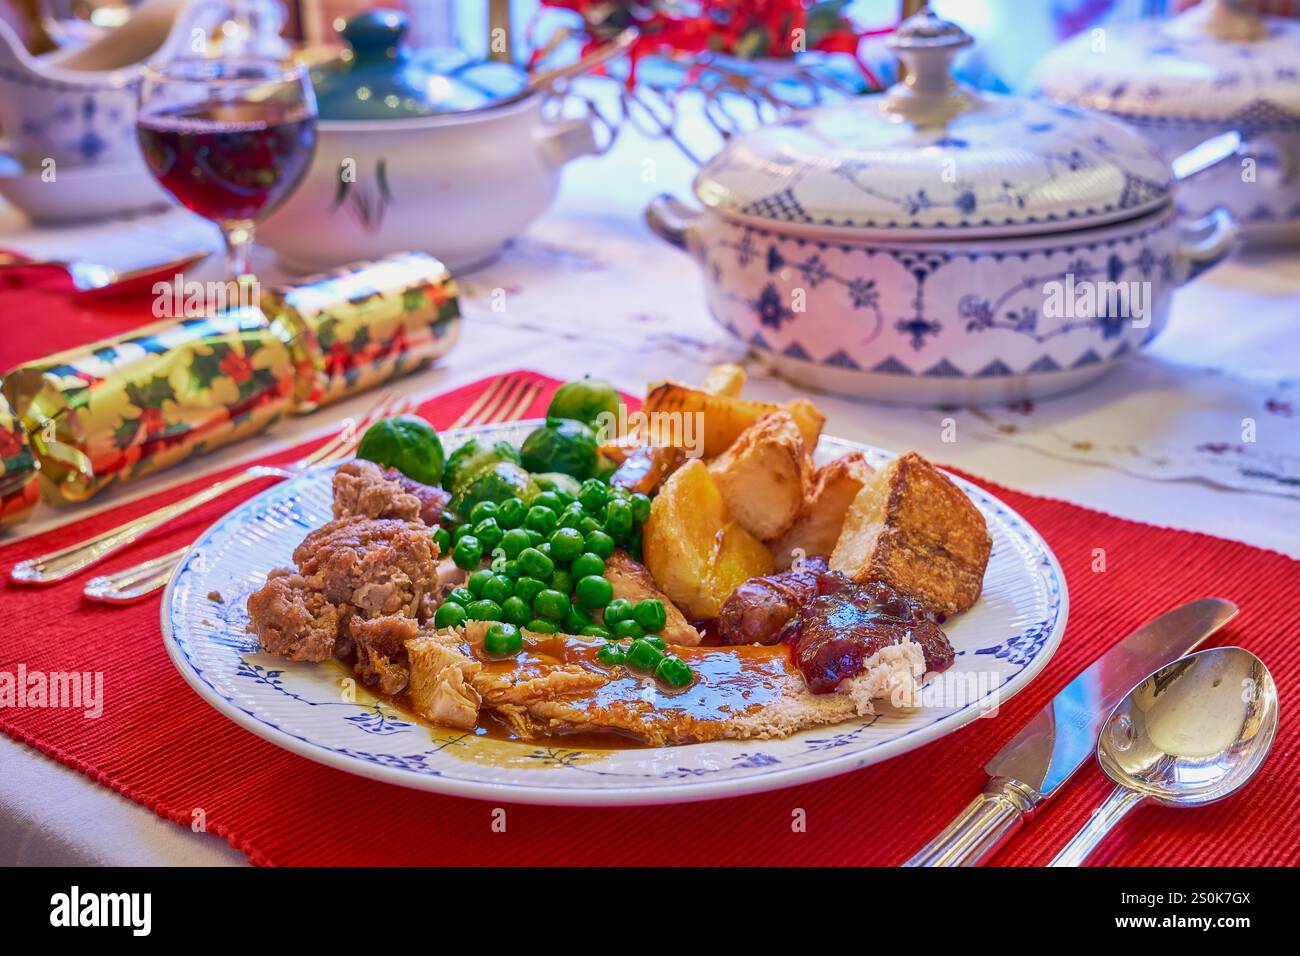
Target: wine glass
(229, 138)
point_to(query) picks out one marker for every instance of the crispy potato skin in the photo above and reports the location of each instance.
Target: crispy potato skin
(821, 517)
(693, 547)
(764, 475)
(725, 417)
(912, 528)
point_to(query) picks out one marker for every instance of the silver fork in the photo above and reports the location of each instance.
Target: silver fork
(66, 562)
(507, 399)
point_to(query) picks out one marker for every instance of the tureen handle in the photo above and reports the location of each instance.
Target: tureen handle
(672, 220)
(927, 94)
(1205, 243)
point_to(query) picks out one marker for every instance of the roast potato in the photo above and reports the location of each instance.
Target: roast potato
(912, 528)
(832, 490)
(694, 548)
(764, 475)
(723, 418)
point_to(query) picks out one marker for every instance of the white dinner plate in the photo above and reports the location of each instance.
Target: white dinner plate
(1001, 644)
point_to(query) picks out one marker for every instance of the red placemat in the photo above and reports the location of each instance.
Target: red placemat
(62, 320)
(159, 744)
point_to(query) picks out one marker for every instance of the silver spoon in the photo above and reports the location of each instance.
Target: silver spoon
(1193, 732)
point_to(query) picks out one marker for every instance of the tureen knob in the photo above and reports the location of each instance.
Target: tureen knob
(927, 44)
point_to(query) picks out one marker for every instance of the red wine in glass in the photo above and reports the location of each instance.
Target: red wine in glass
(230, 138)
(228, 163)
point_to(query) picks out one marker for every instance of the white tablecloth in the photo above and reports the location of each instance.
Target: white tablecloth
(588, 289)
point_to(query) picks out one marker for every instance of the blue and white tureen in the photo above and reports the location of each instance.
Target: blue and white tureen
(935, 244)
(1216, 67)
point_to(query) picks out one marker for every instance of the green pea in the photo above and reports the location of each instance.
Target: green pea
(484, 610)
(482, 511)
(593, 495)
(541, 520)
(489, 533)
(600, 543)
(654, 640)
(514, 541)
(462, 530)
(628, 628)
(585, 565)
(545, 548)
(650, 614)
(528, 589)
(502, 640)
(566, 544)
(477, 581)
(552, 605)
(442, 538)
(498, 588)
(535, 563)
(511, 513)
(562, 581)
(640, 508)
(549, 500)
(534, 537)
(449, 615)
(467, 553)
(595, 630)
(576, 619)
(593, 591)
(618, 520)
(618, 610)
(643, 656)
(461, 596)
(588, 524)
(572, 516)
(512, 570)
(674, 672)
(515, 610)
(611, 655)
(542, 626)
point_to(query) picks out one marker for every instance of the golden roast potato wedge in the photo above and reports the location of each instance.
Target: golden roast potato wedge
(764, 475)
(912, 528)
(695, 550)
(723, 418)
(817, 529)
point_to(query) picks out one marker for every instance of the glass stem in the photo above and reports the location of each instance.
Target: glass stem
(239, 243)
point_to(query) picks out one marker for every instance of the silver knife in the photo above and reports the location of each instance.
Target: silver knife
(1062, 736)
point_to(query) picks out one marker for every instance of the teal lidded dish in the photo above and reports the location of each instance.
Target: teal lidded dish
(380, 77)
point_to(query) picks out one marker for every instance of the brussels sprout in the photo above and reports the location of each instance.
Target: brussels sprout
(472, 456)
(406, 443)
(495, 481)
(565, 446)
(558, 482)
(586, 400)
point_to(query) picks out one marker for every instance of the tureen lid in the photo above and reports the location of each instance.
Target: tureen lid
(1216, 65)
(931, 156)
(380, 78)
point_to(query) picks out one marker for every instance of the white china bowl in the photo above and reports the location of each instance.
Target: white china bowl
(457, 186)
(935, 244)
(1007, 637)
